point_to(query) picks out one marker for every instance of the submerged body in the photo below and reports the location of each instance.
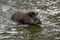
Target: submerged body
(26, 18)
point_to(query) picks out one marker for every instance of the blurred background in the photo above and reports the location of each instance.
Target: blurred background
(49, 13)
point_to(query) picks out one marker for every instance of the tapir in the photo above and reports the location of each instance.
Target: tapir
(26, 18)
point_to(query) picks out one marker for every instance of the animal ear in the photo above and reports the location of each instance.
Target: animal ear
(31, 14)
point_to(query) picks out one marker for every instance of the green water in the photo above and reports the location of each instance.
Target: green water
(49, 13)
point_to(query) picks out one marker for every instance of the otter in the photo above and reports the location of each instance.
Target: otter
(26, 18)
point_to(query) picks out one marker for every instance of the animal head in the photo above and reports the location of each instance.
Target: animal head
(34, 18)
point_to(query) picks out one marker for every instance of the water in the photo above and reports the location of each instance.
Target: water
(49, 13)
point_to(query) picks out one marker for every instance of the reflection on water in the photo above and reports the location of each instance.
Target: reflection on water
(33, 29)
(49, 13)
(20, 33)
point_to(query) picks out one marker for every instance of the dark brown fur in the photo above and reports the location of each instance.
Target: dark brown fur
(26, 18)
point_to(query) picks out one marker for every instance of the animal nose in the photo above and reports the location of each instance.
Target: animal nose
(39, 22)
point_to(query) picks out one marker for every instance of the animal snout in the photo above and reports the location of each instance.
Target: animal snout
(39, 22)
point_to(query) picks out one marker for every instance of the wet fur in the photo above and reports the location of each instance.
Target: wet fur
(26, 18)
